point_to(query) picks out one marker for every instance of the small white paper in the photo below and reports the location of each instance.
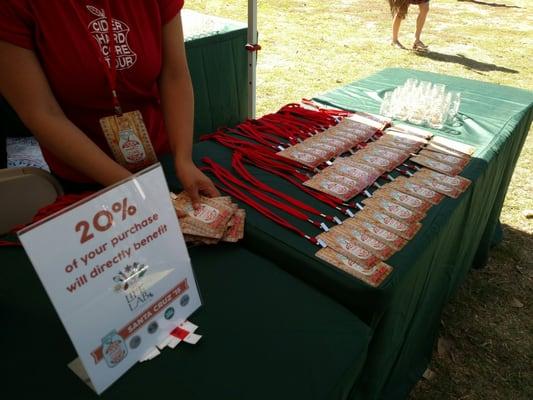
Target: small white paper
(189, 326)
(192, 338)
(174, 342)
(150, 354)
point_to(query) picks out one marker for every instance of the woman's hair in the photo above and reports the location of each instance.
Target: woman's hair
(399, 7)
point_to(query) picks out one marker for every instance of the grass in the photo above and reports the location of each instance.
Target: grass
(311, 46)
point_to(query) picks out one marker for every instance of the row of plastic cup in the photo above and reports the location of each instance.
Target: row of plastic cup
(422, 103)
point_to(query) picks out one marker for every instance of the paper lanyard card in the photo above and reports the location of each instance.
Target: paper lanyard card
(368, 242)
(391, 239)
(324, 184)
(458, 182)
(373, 276)
(436, 165)
(411, 187)
(117, 271)
(453, 145)
(298, 154)
(407, 201)
(344, 244)
(128, 139)
(394, 209)
(459, 162)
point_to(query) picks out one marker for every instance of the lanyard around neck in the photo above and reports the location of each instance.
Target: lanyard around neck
(111, 67)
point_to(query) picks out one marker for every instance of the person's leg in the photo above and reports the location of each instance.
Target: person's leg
(420, 21)
(399, 14)
(396, 22)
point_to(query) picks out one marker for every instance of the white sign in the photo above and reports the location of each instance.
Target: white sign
(117, 271)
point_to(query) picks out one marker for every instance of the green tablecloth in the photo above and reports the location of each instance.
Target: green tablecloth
(404, 312)
(218, 65)
(266, 336)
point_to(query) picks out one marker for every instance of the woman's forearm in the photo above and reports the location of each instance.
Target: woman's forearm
(177, 103)
(24, 85)
(68, 143)
(176, 92)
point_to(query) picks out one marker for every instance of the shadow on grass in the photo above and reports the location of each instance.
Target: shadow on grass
(484, 331)
(515, 245)
(483, 3)
(466, 62)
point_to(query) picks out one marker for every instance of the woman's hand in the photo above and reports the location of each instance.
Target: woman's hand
(194, 182)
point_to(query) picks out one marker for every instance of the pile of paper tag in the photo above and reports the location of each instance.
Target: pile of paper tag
(185, 332)
(216, 219)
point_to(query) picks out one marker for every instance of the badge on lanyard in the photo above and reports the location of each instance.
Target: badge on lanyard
(128, 139)
(125, 133)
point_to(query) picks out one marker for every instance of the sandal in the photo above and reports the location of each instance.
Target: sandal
(418, 45)
(397, 44)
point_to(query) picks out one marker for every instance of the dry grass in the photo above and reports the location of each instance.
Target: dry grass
(312, 46)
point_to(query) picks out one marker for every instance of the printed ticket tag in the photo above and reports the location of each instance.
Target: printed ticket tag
(391, 239)
(336, 146)
(437, 186)
(373, 276)
(128, 140)
(405, 230)
(209, 220)
(391, 143)
(354, 137)
(373, 245)
(436, 165)
(372, 172)
(355, 184)
(235, 230)
(393, 152)
(411, 187)
(453, 145)
(397, 137)
(446, 158)
(394, 209)
(411, 202)
(346, 245)
(366, 119)
(380, 163)
(297, 153)
(327, 185)
(353, 172)
(445, 150)
(412, 130)
(122, 280)
(322, 150)
(458, 182)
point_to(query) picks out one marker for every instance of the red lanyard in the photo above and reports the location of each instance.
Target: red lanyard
(261, 195)
(294, 177)
(237, 164)
(227, 186)
(111, 67)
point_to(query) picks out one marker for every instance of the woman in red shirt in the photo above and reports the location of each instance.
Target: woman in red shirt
(67, 64)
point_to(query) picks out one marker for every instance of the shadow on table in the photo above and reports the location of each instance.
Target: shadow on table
(483, 3)
(465, 61)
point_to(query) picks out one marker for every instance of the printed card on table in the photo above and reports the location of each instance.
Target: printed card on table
(117, 271)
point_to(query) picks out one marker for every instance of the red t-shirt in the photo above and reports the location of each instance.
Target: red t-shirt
(60, 33)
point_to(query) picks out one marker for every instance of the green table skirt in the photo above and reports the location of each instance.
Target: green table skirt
(266, 336)
(218, 66)
(404, 312)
